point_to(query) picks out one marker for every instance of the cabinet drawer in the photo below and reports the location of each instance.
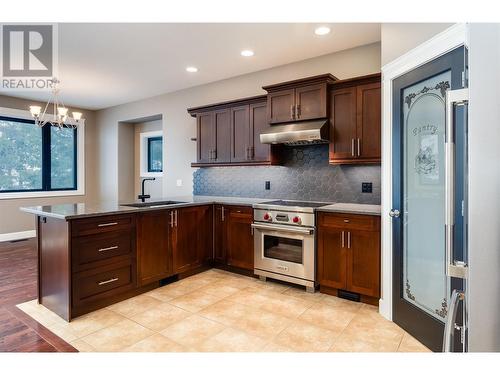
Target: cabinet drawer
(102, 246)
(349, 221)
(102, 283)
(82, 227)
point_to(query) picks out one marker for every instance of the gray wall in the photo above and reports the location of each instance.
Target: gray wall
(179, 127)
(11, 218)
(399, 38)
(305, 174)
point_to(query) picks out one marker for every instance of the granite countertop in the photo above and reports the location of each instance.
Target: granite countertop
(353, 208)
(80, 210)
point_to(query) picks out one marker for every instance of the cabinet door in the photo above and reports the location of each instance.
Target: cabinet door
(368, 122)
(310, 102)
(332, 265)
(239, 237)
(154, 256)
(206, 136)
(206, 229)
(219, 234)
(222, 136)
(280, 106)
(363, 263)
(258, 123)
(186, 249)
(240, 133)
(343, 125)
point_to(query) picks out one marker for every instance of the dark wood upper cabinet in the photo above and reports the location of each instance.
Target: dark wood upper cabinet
(222, 150)
(343, 124)
(239, 238)
(355, 119)
(205, 123)
(280, 106)
(154, 252)
(240, 133)
(259, 152)
(369, 119)
(229, 133)
(298, 100)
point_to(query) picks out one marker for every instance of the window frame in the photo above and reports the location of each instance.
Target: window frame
(79, 160)
(148, 151)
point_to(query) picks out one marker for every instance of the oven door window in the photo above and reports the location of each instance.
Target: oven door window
(282, 248)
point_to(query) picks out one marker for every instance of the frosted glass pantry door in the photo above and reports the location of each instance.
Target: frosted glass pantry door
(425, 281)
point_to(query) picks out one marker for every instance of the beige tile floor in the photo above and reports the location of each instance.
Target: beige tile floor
(217, 311)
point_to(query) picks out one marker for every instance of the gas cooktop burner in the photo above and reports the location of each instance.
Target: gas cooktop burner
(296, 203)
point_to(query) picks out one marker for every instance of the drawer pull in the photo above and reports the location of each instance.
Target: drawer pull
(346, 220)
(108, 281)
(107, 248)
(107, 224)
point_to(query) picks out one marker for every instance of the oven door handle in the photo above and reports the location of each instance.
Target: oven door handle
(284, 228)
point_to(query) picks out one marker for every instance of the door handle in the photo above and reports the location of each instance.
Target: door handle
(449, 327)
(394, 213)
(453, 268)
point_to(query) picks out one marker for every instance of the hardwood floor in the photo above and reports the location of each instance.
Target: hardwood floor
(18, 283)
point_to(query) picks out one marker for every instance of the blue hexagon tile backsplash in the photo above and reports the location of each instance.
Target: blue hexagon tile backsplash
(304, 175)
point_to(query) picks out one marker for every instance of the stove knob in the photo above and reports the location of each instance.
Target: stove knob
(267, 217)
(296, 219)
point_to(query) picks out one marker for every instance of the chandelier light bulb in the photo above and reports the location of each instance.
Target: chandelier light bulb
(35, 110)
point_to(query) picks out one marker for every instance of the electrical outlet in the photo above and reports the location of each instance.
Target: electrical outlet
(268, 185)
(179, 182)
(366, 187)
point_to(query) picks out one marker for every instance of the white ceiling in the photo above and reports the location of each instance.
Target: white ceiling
(102, 65)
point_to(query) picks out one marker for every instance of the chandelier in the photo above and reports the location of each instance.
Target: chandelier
(59, 117)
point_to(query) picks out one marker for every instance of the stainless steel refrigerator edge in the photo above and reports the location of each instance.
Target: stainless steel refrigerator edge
(483, 289)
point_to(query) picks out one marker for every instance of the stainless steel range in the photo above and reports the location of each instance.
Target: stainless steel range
(284, 241)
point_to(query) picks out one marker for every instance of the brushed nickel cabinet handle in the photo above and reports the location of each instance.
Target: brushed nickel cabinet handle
(297, 111)
(343, 242)
(359, 147)
(223, 213)
(171, 219)
(348, 240)
(352, 146)
(108, 281)
(107, 224)
(175, 215)
(292, 111)
(107, 248)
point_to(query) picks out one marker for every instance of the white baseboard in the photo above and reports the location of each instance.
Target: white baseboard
(17, 235)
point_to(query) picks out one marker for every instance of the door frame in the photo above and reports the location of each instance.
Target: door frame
(440, 44)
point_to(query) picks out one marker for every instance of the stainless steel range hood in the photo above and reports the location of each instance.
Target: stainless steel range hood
(302, 133)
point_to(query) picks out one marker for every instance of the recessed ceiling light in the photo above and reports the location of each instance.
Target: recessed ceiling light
(191, 69)
(322, 30)
(247, 53)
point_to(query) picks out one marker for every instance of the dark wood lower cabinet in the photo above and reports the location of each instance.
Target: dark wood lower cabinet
(233, 240)
(154, 253)
(239, 239)
(349, 254)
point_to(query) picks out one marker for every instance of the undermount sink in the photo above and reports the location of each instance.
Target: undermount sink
(152, 204)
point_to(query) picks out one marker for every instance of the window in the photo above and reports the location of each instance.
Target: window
(36, 159)
(155, 154)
